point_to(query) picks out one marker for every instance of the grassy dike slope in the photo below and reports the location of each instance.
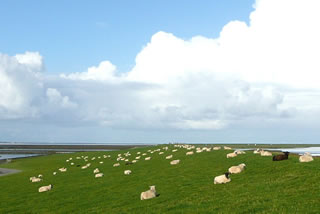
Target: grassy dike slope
(264, 187)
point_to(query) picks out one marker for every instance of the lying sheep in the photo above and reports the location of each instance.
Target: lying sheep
(232, 155)
(217, 148)
(96, 170)
(174, 150)
(101, 162)
(222, 179)
(227, 148)
(237, 169)
(149, 193)
(63, 169)
(127, 172)
(134, 161)
(147, 158)
(138, 157)
(175, 162)
(45, 188)
(307, 157)
(257, 151)
(34, 179)
(281, 157)
(98, 175)
(116, 164)
(265, 153)
(169, 157)
(189, 153)
(160, 153)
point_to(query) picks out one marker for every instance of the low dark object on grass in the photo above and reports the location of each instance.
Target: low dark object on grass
(227, 174)
(129, 163)
(78, 165)
(281, 157)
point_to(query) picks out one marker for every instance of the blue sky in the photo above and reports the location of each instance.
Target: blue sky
(160, 71)
(73, 35)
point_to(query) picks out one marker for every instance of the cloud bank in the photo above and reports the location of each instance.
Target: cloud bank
(266, 71)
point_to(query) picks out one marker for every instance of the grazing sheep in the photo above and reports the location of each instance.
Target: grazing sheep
(71, 164)
(217, 148)
(174, 150)
(134, 161)
(222, 179)
(147, 158)
(174, 162)
(101, 162)
(138, 153)
(198, 151)
(189, 153)
(45, 188)
(86, 166)
(149, 193)
(169, 157)
(307, 157)
(281, 157)
(138, 157)
(63, 169)
(98, 175)
(232, 155)
(227, 148)
(96, 170)
(160, 153)
(40, 176)
(116, 164)
(144, 154)
(265, 153)
(237, 169)
(54, 173)
(127, 172)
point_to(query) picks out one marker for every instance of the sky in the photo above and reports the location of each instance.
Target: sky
(160, 71)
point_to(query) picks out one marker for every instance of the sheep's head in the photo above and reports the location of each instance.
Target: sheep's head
(242, 165)
(227, 174)
(286, 153)
(153, 188)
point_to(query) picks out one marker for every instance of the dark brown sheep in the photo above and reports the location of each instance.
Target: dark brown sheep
(281, 157)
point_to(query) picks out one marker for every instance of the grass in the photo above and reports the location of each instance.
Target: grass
(264, 187)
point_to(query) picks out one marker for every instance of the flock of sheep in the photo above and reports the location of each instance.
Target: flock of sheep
(190, 150)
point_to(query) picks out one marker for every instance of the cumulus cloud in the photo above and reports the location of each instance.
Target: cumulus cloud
(264, 70)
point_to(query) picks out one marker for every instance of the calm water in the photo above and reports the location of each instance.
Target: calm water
(12, 156)
(314, 151)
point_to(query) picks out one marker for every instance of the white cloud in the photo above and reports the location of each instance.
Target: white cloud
(263, 71)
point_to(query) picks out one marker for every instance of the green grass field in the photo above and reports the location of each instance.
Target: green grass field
(264, 187)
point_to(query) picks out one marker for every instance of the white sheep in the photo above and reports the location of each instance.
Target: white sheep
(232, 155)
(175, 162)
(151, 193)
(222, 179)
(216, 148)
(116, 164)
(96, 170)
(98, 175)
(127, 172)
(237, 169)
(34, 179)
(265, 153)
(160, 153)
(189, 153)
(144, 154)
(169, 157)
(257, 151)
(54, 173)
(45, 188)
(227, 148)
(138, 157)
(101, 162)
(147, 158)
(307, 157)
(40, 176)
(63, 169)
(134, 161)
(174, 150)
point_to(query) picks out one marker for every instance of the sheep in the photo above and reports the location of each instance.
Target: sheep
(222, 179)
(147, 158)
(144, 154)
(239, 152)
(265, 153)
(227, 148)
(281, 157)
(40, 176)
(101, 162)
(217, 148)
(63, 169)
(86, 166)
(96, 170)
(174, 162)
(307, 157)
(189, 153)
(138, 157)
(127, 172)
(116, 164)
(237, 169)
(134, 161)
(169, 157)
(98, 175)
(34, 179)
(198, 151)
(45, 188)
(174, 150)
(54, 173)
(232, 155)
(149, 193)
(160, 153)
(138, 153)
(71, 164)
(257, 151)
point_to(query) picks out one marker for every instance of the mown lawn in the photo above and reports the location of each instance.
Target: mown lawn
(264, 187)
